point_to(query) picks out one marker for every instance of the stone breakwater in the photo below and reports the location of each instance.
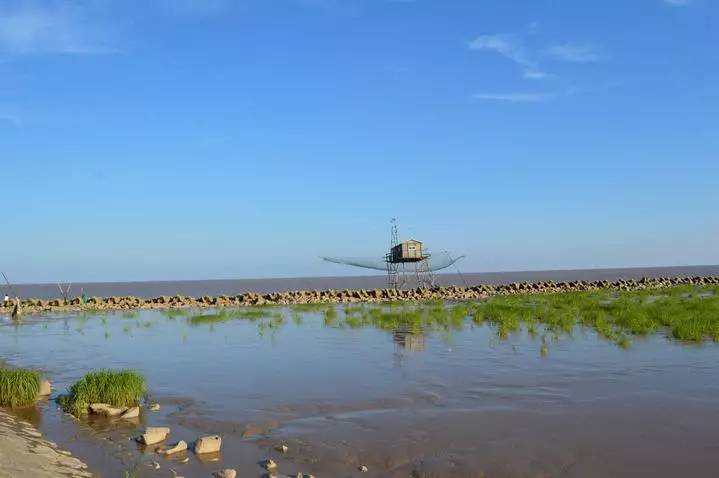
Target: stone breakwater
(452, 293)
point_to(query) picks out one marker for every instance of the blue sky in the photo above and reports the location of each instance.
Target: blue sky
(160, 139)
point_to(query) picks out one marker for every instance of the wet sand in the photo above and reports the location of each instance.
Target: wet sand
(24, 452)
(265, 286)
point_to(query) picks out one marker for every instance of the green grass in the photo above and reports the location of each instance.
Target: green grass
(121, 388)
(174, 313)
(18, 387)
(257, 313)
(688, 313)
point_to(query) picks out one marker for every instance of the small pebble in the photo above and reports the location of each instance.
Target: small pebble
(363, 469)
(269, 464)
(154, 407)
(282, 448)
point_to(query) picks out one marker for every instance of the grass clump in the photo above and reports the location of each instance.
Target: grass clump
(255, 313)
(119, 388)
(18, 387)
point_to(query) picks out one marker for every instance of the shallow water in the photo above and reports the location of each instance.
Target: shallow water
(453, 401)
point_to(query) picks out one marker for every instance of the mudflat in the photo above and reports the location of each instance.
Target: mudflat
(421, 390)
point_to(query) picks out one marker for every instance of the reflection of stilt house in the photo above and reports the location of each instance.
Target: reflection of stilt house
(408, 340)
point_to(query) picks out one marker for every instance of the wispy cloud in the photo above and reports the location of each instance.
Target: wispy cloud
(52, 28)
(576, 53)
(515, 97)
(538, 75)
(508, 45)
(511, 47)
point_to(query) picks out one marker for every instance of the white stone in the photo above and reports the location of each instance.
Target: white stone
(132, 412)
(178, 447)
(208, 444)
(107, 410)
(226, 473)
(154, 435)
(45, 388)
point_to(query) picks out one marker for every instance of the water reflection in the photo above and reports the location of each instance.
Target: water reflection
(409, 340)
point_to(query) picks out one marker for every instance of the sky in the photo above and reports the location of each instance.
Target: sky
(190, 139)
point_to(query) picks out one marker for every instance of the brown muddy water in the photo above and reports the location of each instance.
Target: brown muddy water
(449, 402)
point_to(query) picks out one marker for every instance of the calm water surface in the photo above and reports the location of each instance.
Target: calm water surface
(456, 402)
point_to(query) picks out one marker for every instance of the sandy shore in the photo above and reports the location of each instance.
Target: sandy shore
(24, 452)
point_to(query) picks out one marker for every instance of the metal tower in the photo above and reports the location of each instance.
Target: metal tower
(395, 280)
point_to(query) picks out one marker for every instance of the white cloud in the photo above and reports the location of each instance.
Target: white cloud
(539, 75)
(55, 28)
(515, 97)
(511, 47)
(576, 53)
(507, 45)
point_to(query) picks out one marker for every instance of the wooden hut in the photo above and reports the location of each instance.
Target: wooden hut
(407, 251)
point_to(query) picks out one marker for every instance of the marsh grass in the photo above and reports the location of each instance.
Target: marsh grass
(174, 313)
(18, 387)
(319, 307)
(688, 313)
(119, 388)
(258, 313)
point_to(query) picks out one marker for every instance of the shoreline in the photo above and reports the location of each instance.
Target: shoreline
(330, 296)
(233, 286)
(24, 452)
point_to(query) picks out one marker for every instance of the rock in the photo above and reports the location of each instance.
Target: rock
(45, 388)
(208, 444)
(177, 448)
(132, 412)
(269, 465)
(153, 435)
(363, 469)
(226, 473)
(107, 410)
(184, 460)
(282, 448)
(154, 407)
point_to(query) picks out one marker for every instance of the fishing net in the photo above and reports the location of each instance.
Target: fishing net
(435, 262)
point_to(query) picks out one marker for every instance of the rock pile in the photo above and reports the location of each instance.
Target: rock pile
(348, 296)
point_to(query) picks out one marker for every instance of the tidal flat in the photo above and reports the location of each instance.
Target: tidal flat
(598, 383)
